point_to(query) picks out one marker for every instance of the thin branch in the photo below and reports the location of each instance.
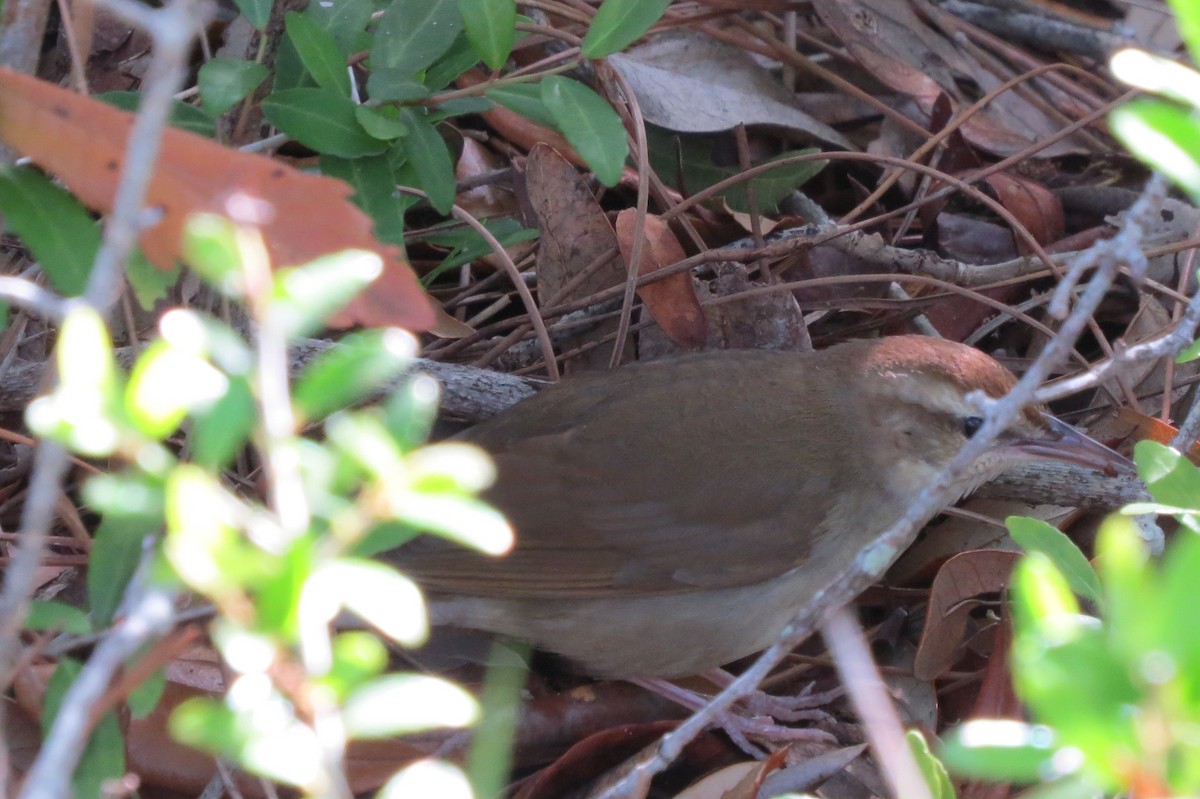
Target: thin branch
(885, 732)
(30, 295)
(151, 615)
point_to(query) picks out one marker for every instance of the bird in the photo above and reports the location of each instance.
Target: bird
(671, 516)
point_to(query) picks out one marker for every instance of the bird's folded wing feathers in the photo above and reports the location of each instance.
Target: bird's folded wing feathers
(603, 510)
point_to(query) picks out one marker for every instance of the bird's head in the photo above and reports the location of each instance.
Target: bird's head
(917, 394)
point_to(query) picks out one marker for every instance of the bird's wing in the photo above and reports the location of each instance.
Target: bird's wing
(602, 507)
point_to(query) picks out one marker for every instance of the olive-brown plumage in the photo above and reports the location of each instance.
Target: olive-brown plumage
(671, 516)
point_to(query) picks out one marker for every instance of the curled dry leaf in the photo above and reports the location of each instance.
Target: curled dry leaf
(83, 141)
(955, 592)
(671, 301)
(1032, 204)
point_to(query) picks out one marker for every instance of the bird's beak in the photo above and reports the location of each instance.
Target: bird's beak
(1064, 443)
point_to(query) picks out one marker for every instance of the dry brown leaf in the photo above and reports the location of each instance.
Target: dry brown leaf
(955, 592)
(1032, 204)
(671, 301)
(83, 141)
(575, 236)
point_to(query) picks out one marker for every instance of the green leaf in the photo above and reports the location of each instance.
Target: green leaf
(773, 186)
(1158, 75)
(490, 758)
(256, 12)
(1178, 653)
(524, 99)
(306, 296)
(460, 106)
(289, 69)
(412, 34)
(401, 704)
(931, 768)
(104, 757)
(491, 27)
(221, 430)
(201, 545)
(322, 120)
(429, 157)
(373, 591)
(47, 614)
(183, 116)
(685, 161)
(131, 496)
(1042, 599)
(346, 20)
(357, 657)
(81, 411)
(1081, 688)
(144, 698)
(1189, 353)
(458, 59)
(382, 122)
(364, 441)
(469, 245)
(168, 380)
(1122, 560)
(394, 85)
(1163, 135)
(263, 740)
(149, 283)
(114, 558)
(620, 23)
(1035, 535)
(461, 519)
(384, 537)
(358, 365)
(1170, 477)
(318, 52)
(1000, 751)
(210, 247)
(590, 125)
(428, 777)
(225, 82)
(374, 192)
(1187, 18)
(55, 227)
(411, 411)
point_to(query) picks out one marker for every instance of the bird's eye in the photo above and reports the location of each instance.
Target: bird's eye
(971, 425)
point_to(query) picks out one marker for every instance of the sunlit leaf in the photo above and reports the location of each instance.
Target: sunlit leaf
(358, 365)
(400, 704)
(1035, 535)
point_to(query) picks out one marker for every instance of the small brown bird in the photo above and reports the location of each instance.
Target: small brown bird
(672, 516)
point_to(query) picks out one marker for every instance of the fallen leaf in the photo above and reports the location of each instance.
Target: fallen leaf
(688, 82)
(575, 235)
(82, 141)
(1032, 204)
(956, 591)
(671, 301)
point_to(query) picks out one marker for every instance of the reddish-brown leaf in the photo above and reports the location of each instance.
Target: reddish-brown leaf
(1032, 204)
(671, 301)
(82, 141)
